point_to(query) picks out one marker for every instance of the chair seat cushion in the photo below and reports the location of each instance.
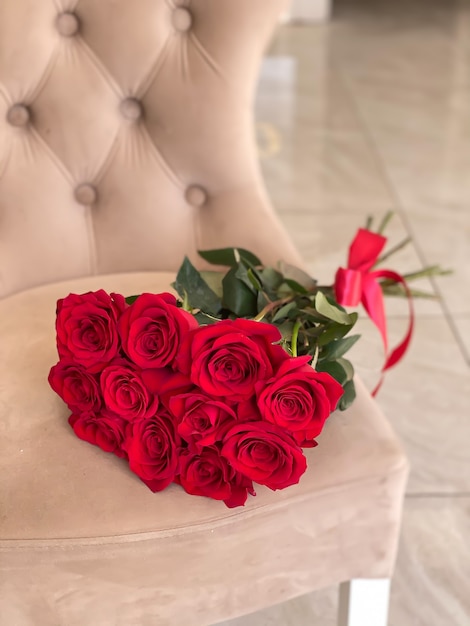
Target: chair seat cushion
(82, 540)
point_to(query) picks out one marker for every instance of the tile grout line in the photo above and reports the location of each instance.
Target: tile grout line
(437, 495)
(397, 203)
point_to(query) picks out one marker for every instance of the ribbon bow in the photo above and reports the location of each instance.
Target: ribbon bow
(358, 283)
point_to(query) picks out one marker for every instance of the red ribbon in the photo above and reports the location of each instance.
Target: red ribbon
(357, 283)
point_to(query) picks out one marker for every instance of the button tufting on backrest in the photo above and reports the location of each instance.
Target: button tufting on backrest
(67, 24)
(131, 109)
(18, 115)
(181, 19)
(85, 194)
(196, 196)
(129, 141)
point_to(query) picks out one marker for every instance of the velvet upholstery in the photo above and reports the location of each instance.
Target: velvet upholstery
(126, 141)
(126, 128)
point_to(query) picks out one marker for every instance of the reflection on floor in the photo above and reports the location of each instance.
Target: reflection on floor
(369, 113)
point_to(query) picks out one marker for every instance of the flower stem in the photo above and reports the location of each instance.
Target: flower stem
(385, 221)
(270, 306)
(426, 272)
(185, 305)
(393, 250)
(315, 357)
(295, 335)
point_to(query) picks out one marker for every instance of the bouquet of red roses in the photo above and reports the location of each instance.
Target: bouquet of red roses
(224, 387)
(212, 408)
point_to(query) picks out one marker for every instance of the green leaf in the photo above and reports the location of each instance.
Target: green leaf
(284, 291)
(238, 297)
(295, 286)
(295, 314)
(131, 299)
(254, 280)
(203, 319)
(271, 279)
(330, 311)
(334, 369)
(337, 348)
(284, 311)
(261, 301)
(347, 366)
(299, 276)
(190, 284)
(335, 331)
(312, 315)
(314, 331)
(286, 329)
(246, 275)
(348, 396)
(214, 280)
(229, 256)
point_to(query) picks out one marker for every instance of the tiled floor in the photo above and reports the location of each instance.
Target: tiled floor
(368, 113)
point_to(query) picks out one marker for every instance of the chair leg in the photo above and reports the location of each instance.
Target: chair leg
(364, 602)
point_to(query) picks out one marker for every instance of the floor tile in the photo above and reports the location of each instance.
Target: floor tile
(291, 92)
(462, 325)
(422, 137)
(315, 609)
(430, 587)
(401, 43)
(444, 238)
(425, 397)
(324, 173)
(313, 152)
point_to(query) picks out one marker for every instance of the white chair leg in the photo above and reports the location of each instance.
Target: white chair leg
(364, 602)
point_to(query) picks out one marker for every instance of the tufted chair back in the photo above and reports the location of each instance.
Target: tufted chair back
(126, 135)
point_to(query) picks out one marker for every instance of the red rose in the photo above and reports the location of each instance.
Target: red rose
(87, 328)
(105, 432)
(230, 357)
(209, 474)
(76, 386)
(299, 399)
(152, 328)
(151, 445)
(166, 383)
(124, 392)
(201, 420)
(248, 411)
(265, 454)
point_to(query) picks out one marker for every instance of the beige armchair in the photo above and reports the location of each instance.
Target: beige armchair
(126, 141)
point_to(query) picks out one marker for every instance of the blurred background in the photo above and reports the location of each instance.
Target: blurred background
(364, 112)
